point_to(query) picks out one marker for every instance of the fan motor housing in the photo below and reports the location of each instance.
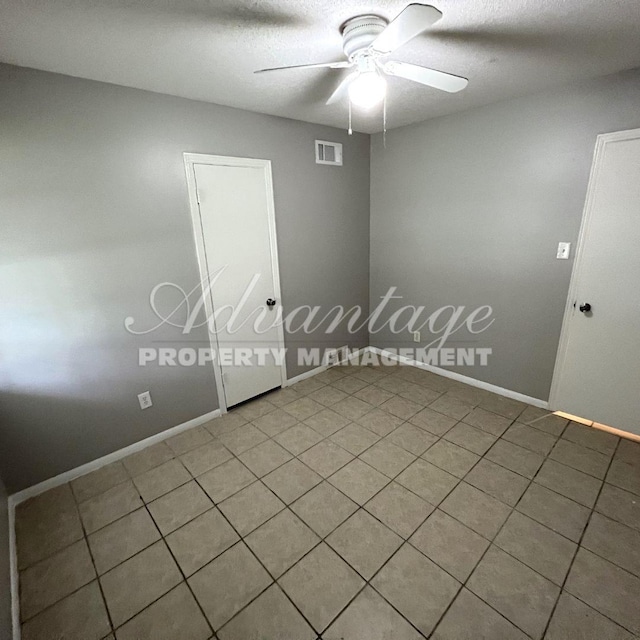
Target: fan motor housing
(359, 32)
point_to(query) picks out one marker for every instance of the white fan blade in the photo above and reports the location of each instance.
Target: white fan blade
(341, 90)
(407, 25)
(343, 64)
(430, 77)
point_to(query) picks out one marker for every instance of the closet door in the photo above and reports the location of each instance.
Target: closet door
(238, 229)
(598, 370)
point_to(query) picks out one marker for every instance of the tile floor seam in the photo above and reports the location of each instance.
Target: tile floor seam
(464, 584)
(341, 611)
(394, 607)
(363, 506)
(491, 542)
(162, 539)
(95, 568)
(595, 553)
(604, 615)
(274, 581)
(147, 606)
(578, 545)
(350, 498)
(325, 479)
(575, 554)
(377, 492)
(430, 560)
(118, 484)
(182, 573)
(300, 422)
(53, 604)
(587, 473)
(142, 504)
(435, 506)
(477, 564)
(390, 479)
(590, 509)
(98, 576)
(533, 480)
(166, 492)
(182, 526)
(323, 539)
(50, 555)
(405, 540)
(563, 465)
(216, 505)
(367, 583)
(241, 539)
(551, 413)
(473, 466)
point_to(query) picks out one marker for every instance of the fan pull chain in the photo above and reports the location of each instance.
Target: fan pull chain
(384, 122)
(350, 129)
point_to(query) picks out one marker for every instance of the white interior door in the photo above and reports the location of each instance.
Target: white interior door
(598, 371)
(235, 202)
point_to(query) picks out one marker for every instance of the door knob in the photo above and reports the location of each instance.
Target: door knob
(271, 302)
(585, 308)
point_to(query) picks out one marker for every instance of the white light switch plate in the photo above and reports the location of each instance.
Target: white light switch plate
(563, 250)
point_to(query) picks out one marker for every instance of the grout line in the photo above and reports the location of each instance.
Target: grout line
(241, 539)
(491, 544)
(95, 568)
(115, 456)
(182, 573)
(85, 539)
(322, 539)
(579, 546)
(324, 480)
(389, 480)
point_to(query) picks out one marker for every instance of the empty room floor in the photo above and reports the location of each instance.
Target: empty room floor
(363, 503)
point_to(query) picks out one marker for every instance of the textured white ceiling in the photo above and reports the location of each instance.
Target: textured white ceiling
(208, 49)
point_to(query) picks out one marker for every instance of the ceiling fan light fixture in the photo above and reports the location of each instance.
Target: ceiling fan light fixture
(366, 41)
(368, 89)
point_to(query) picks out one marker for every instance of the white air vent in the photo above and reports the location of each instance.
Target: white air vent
(328, 152)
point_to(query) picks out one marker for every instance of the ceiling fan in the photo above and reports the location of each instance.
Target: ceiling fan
(366, 41)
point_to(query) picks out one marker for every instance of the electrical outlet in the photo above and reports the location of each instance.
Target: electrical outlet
(331, 357)
(145, 400)
(564, 249)
(343, 354)
(416, 336)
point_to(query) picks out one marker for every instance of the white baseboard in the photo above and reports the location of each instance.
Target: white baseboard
(314, 372)
(16, 498)
(306, 374)
(94, 465)
(507, 393)
(63, 478)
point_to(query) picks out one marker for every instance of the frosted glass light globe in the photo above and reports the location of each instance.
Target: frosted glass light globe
(368, 89)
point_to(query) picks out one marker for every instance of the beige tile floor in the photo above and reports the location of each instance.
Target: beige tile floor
(364, 503)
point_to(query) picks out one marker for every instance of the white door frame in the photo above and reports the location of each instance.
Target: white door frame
(601, 141)
(191, 159)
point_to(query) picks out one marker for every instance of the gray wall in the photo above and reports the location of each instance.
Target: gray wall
(5, 576)
(468, 210)
(94, 213)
